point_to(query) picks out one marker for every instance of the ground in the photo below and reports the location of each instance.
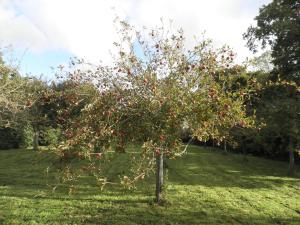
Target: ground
(203, 187)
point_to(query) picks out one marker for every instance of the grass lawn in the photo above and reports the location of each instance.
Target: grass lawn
(203, 187)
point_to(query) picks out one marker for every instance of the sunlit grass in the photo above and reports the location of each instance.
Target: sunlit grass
(203, 187)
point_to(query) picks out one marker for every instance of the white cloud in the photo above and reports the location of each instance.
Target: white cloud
(223, 21)
(19, 30)
(82, 27)
(85, 27)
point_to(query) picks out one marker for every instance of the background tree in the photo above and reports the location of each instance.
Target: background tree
(262, 63)
(278, 26)
(23, 103)
(279, 108)
(38, 112)
(13, 98)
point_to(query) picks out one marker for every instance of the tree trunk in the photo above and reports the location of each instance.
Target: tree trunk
(159, 177)
(291, 169)
(225, 147)
(36, 140)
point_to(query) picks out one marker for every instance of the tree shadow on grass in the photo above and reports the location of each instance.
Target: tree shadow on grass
(177, 215)
(201, 167)
(75, 198)
(87, 193)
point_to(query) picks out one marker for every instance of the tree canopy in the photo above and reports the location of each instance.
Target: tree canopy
(278, 26)
(13, 97)
(144, 99)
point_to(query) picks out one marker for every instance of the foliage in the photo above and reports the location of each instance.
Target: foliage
(27, 134)
(37, 111)
(204, 187)
(50, 136)
(280, 109)
(67, 99)
(13, 96)
(276, 105)
(24, 104)
(277, 108)
(262, 63)
(145, 99)
(9, 138)
(278, 25)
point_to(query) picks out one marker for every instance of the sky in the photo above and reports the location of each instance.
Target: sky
(46, 33)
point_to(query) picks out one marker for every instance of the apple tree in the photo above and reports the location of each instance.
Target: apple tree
(153, 86)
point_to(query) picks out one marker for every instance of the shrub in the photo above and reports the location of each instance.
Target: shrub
(50, 136)
(27, 136)
(9, 138)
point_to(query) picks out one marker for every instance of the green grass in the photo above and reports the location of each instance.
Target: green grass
(203, 187)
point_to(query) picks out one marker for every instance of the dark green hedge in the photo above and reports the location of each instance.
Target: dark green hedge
(9, 138)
